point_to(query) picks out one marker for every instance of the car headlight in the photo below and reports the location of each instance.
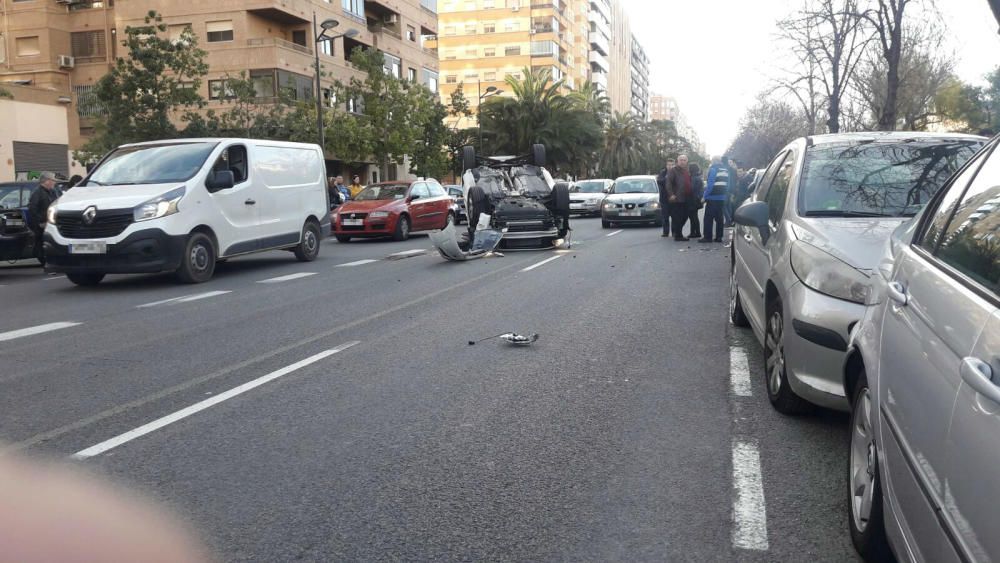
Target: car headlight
(654, 205)
(50, 215)
(378, 215)
(161, 206)
(609, 206)
(826, 274)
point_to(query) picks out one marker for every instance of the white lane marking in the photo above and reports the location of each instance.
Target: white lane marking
(289, 277)
(183, 299)
(50, 278)
(542, 263)
(739, 372)
(409, 252)
(749, 509)
(11, 335)
(615, 233)
(202, 405)
(358, 263)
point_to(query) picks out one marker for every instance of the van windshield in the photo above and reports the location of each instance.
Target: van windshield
(151, 164)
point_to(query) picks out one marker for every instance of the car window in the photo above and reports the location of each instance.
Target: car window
(971, 241)
(772, 169)
(420, 190)
(637, 186)
(455, 192)
(12, 197)
(777, 192)
(436, 190)
(938, 222)
(234, 159)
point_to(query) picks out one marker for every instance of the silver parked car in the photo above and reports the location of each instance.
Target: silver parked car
(809, 238)
(633, 199)
(923, 372)
(586, 196)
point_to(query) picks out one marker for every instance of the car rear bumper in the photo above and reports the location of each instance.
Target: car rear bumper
(143, 252)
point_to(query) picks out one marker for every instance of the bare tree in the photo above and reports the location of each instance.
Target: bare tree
(766, 127)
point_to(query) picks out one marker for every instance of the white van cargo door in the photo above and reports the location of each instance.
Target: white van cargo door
(238, 228)
(289, 178)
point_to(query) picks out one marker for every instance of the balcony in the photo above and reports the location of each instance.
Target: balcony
(285, 12)
(278, 42)
(599, 61)
(600, 43)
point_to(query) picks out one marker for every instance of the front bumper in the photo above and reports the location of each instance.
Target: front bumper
(148, 251)
(818, 328)
(16, 246)
(645, 216)
(380, 227)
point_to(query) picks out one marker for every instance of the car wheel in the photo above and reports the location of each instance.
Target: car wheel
(308, 249)
(865, 503)
(477, 203)
(538, 154)
(85, 279)
(605, 224)
(737, 315)
(343, 238)
(779, 392)
(198, 261)
(402, 229)
(468, 158)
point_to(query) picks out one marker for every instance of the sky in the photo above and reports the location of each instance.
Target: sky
(715, 56)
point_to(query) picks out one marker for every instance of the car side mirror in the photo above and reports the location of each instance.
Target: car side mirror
(220, 180)
(755, 214)
(414, 197)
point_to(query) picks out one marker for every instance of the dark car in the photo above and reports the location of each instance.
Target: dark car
(394, 209)
(17, 241)
(458, 194)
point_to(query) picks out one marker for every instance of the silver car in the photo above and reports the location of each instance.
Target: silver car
(809, 239)
(632, 200)
(587, 196)
(923, 372)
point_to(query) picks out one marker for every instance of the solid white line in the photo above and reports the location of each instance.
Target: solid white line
(200, 406)
(409, 252)
(749, 509)
(542, 263)
(289, 277)
(183, 299)
(615, 233)
(358, 263)
(739, 372)
(55, 278)
(4, 336)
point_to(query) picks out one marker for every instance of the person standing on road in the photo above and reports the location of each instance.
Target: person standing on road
(344, 191)
(727, 208)
(661, 182)
(716, 195)
(680, 190)
(38, 210)
(695, 205)
(355, 186)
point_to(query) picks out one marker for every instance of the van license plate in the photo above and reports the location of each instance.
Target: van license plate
(352, 222)
(88, 248)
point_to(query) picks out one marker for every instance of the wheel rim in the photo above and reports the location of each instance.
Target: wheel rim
(862, 462)
(775, 353)
(199, 257)
(404, 227)
(310, 241)
(732, 293)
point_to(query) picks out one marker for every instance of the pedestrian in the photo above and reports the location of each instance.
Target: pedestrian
(355, 186)
(717, 192)
(38, 210)
(680, 191)
(334, 192)
(344, 191)
(695, 205)
(727, 208)
(743, 187)
(661, 181)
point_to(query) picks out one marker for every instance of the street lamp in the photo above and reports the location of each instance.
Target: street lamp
(490, 92)
(322, 36)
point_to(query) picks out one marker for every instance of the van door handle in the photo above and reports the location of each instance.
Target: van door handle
(898, 293)
(979, 375)
(250, 202)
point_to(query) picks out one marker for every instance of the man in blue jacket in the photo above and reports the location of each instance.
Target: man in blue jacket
(717, 189)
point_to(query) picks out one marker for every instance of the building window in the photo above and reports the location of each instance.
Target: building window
(512, 51)
(471, 52)
(489, 76)
(220, 90)
(175, 32)
(3, 49)
(88, 44)
(393, 65)
(431, 80)
(544, 48)
(411, 33)
(512, 26)
(487, 4)
(451, 79)
(354, 7)
(220, 31)
(450, 55)
(299, 37)
(27, 46)
(489, 52)
(471, 76)
(297, 86)
(326, 47)
(411, 74)
(429, 5)
(87, 103)
(470, 29)
(489, 28)
(449, 30)
(263, 83)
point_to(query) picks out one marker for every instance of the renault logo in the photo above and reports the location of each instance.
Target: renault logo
(89, 214)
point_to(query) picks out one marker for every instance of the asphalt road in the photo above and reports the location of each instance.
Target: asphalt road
(372, 430)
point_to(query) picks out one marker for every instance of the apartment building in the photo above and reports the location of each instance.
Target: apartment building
(639, 64)
(666, 108)
(599, 19)
(68, 45)
(483, 42)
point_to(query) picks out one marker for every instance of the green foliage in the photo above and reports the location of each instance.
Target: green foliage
(6, 94)
(974, 107)
(157, 79)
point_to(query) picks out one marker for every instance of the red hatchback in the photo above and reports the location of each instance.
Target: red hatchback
(394, 209)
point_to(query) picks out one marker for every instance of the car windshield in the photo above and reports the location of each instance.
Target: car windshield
(589, 187)
(455, 191)
(375, 193)
(879, 179)
(11, 197)
(151, 164)
(636, 186)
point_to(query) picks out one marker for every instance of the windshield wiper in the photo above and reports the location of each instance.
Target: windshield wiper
(845, 213)
(96, 182)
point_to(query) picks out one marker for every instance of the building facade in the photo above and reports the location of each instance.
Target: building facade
(639, 64)
(666, 108)
(68, 45)
(620, 77)
(599, 20)
(35, 127)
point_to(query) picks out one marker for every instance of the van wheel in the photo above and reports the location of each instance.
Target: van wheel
(402, 229)
(308, 249)
(343, 238)
(198, 261)
(85, 279)
(779, 392)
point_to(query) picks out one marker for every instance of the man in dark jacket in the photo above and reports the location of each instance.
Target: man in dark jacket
(38, 209)
(661, 181)
(694, 206)
(680, 191)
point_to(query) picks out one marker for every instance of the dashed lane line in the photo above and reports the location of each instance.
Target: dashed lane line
(409, 252)
(183, 299)
(739, 372)
(31, 331)
(542, 263)
(749, 509)
(289, 277)
(357, 263)
(615, 233)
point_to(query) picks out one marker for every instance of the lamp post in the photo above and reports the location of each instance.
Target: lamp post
(322, 36)
(490, 91)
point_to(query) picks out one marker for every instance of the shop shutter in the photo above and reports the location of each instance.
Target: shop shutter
(41, 157)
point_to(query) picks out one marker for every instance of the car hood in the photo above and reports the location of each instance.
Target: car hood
(632, 198)
(587, 196)
(112, 197)
(368, 206)
(859, 242)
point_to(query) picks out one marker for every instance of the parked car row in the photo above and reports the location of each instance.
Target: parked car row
(868, 266)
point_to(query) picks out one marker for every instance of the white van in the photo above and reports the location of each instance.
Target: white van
(181, 205)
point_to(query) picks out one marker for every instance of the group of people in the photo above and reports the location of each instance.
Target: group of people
(339, 193)
(684, 192)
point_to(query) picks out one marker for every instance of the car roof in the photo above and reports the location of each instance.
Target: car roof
(636, 177)
(883, 136)
(597, 180)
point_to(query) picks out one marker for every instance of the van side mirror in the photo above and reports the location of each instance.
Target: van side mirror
(755, 214)
(220, 180)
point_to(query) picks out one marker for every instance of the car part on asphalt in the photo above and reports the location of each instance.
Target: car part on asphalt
(459, 247)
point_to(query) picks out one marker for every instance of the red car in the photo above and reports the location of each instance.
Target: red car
(394, 209)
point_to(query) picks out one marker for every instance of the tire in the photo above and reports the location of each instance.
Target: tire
(198, 260)
(864, 485)
(779, 392)
(85, 280)
(468, 158)
(737, 315)
(343, 238)
(308, 248)
(605, 224)
(538, 154)
(475, 204)
(402, 229)
(560, 200)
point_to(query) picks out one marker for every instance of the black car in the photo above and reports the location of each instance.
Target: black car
(17, 241)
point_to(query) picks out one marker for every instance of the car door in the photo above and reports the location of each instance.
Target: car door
(441, 205)
(239, 230)
(930, 325)
(420, 206)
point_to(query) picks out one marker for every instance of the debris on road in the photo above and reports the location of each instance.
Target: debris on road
(511, 338)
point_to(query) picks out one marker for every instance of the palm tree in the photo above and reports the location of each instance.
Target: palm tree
(625, 146)
(591, 98)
